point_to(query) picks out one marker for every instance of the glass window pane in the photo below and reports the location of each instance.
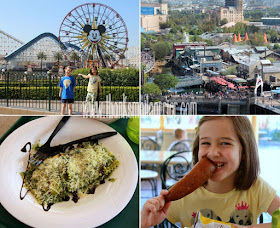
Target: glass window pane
(183, 122)
(150, 122)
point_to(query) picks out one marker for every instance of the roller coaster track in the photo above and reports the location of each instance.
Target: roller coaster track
(8, 43)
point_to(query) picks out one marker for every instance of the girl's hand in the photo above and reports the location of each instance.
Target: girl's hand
(154, 210)
(79, 74)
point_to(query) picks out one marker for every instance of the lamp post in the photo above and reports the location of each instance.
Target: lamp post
(49, 74)
(271, 86)
(220, 105)
(2, 74)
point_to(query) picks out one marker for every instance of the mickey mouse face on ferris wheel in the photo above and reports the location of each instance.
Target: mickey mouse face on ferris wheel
(94, 35)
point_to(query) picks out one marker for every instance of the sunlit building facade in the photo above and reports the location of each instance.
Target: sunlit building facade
(233, 11)
(152, 14)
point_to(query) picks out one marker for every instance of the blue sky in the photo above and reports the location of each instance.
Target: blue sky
(26, 19)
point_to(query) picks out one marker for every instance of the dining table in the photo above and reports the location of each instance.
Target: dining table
(158, 157)
(128, 217)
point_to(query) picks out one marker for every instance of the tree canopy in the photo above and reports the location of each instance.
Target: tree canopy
(224, 21)
(165, 81)
(161, 50)
(151, 89)
(230, 71)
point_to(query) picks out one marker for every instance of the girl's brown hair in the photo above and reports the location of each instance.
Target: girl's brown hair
(90, 70)
(249, 167)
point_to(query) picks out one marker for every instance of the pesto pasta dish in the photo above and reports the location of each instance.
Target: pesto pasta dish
(70, 174)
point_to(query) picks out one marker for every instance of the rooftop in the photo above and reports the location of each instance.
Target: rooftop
(206, 48)
(265, 62)
(245, 60)
(233, 51)
(190, 43)
(207, 53)
(261, 48)
(228, 25)
(270, 18)
(264, 54)
(208, 35)
(271, 69)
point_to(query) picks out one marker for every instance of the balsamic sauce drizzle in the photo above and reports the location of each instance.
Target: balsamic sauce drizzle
(24, 150)
(48, 207)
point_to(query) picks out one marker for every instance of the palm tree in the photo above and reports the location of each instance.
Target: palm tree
(41, 55)
(58, 56)
(74, 57)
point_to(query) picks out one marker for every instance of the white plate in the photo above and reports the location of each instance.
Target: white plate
(90, 211)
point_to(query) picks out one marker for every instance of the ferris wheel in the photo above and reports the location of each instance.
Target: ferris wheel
(96, 32)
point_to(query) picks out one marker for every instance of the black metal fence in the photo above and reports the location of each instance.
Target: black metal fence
(41, 91)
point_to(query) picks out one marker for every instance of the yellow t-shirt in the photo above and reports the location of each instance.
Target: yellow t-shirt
(239, 207)
(93, 84)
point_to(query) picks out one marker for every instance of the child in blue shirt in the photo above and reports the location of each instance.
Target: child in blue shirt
(67, 87)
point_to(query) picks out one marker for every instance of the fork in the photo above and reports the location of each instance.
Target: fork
(52, 151)
(36, 159)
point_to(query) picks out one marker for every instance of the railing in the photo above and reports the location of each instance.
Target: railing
(41, 91)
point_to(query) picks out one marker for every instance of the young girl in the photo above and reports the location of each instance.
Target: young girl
(235, 193)
(93, 85)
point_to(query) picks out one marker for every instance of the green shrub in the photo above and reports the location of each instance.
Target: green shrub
(118, 77)
(151, 88)
(42, 93)
(34, 87)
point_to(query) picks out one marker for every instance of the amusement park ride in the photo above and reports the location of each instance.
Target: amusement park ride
(96, 32)
(148, 60)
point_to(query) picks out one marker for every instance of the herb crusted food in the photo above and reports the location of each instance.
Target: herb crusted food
(73, 173)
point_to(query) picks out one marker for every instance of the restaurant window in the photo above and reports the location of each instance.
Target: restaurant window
(150, 122)
(185, 122)
(169, 122)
